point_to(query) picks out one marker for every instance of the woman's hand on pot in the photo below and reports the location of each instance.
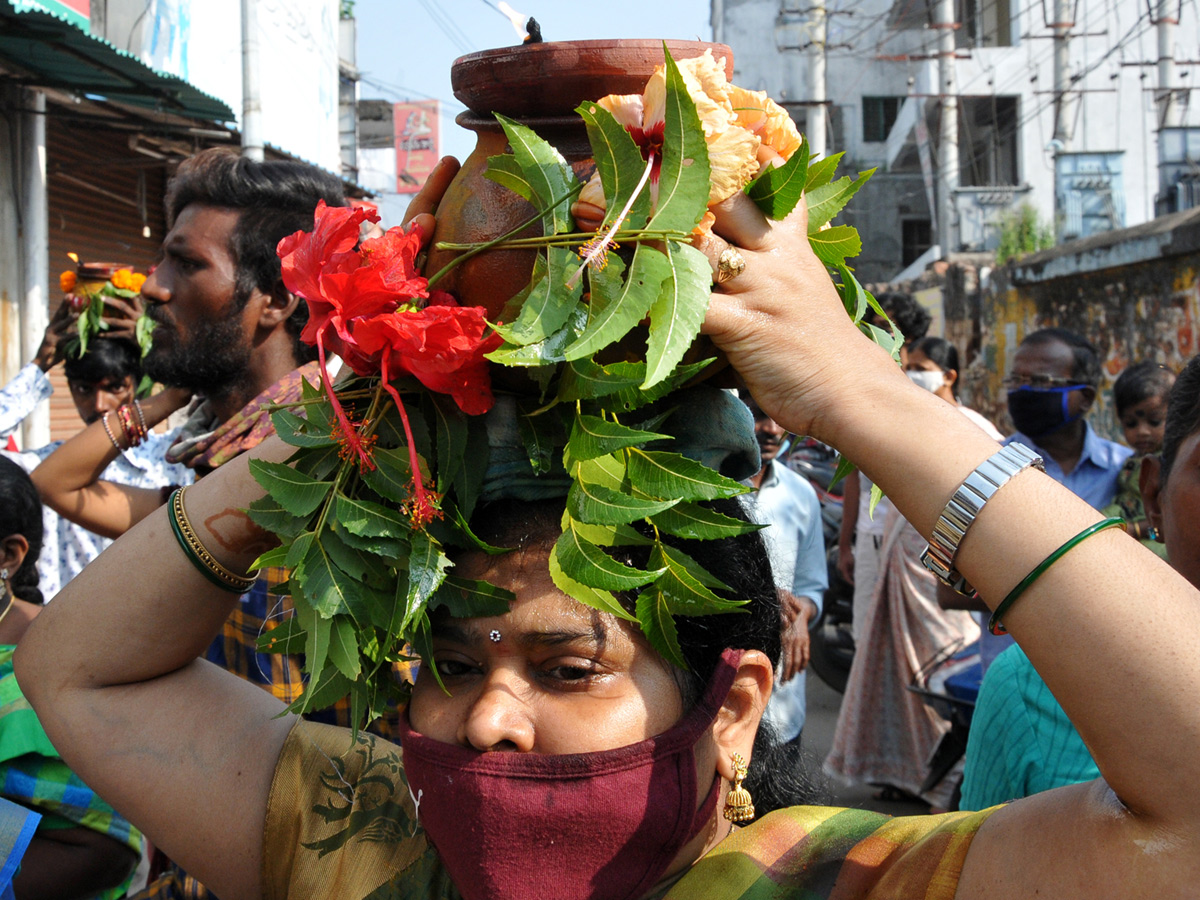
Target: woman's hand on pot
(781, 321)
(425, 202)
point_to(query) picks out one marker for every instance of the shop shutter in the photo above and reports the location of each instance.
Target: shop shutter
(101, 196)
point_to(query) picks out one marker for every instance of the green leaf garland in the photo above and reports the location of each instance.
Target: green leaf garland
(605, 354)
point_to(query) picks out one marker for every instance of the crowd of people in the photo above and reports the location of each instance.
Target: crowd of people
(905, 620)
(550, 751)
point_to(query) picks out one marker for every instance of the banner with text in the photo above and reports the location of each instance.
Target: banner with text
(416, 126)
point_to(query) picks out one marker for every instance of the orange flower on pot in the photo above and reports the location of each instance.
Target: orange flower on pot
(744, 130)
(67, 281)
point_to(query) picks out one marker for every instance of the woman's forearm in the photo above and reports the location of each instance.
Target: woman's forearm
(111, 669)
(1077, 620)
(784, 327)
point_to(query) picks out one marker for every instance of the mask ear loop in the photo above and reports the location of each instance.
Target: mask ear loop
(1066, 393)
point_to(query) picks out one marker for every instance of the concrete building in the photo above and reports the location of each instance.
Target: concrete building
(101, 99)
(969, 108)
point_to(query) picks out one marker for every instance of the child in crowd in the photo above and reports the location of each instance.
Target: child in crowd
(1140, 393)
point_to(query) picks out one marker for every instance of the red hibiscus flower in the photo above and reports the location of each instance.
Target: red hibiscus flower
(442, 346)
(365, 305)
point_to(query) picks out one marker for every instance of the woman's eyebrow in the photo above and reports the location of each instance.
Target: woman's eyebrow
(596, 636)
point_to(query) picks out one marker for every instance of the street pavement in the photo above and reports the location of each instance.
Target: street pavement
(819, 723)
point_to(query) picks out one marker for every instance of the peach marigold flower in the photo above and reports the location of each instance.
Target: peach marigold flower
(743, 129)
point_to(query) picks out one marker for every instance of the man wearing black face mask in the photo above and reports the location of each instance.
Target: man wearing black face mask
(1050, 389)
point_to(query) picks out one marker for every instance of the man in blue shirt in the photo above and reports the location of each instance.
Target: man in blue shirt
(788, 504)
(1051, 387)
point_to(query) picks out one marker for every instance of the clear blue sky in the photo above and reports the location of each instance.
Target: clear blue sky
(406, 47)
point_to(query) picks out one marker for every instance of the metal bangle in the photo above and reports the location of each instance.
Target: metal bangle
(205, 562)
(960, 513)
(109, 432)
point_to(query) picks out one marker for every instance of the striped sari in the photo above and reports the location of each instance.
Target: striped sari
(33, 775)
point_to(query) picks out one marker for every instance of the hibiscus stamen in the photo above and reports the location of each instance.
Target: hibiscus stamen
(345, 432)
(600, 262)
(601, 246)
(423, 508)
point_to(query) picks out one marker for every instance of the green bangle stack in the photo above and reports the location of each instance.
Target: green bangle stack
(198, 554)
(995, 626)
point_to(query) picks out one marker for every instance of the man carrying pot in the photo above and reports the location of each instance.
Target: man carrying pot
(101, 381)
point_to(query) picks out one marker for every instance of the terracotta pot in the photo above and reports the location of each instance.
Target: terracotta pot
(540, 85)
(93, 275)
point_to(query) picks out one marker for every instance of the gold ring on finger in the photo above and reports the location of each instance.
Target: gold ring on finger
(730, 265)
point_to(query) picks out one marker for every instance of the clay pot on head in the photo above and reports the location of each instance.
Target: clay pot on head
(540, 85)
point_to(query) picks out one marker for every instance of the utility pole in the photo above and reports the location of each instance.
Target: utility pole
(802, 31)
(1168, 109)
(1064, 99)
(948, 173)
(35, 242)
(252, 141)
(815, 126)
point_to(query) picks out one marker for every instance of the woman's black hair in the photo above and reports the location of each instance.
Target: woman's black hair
(21, 513)
(906, 314)
(105, 358)
(777, 776)
(942, 352)
(1183, 416)
(1139, 382)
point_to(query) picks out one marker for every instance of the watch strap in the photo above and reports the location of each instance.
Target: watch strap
(960, 513)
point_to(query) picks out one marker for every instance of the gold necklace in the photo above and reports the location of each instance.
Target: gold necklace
(11, 600)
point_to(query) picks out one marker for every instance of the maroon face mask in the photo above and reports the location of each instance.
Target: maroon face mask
(527, 826)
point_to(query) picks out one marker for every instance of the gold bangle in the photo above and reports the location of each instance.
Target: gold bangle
(204, 561)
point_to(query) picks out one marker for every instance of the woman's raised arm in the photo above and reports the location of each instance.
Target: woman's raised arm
(784, 328)
(69, 478)
(185, 750)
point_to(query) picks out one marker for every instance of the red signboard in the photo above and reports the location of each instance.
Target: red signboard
(416, 125)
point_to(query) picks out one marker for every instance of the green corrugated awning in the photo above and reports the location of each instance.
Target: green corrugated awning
(49, 51)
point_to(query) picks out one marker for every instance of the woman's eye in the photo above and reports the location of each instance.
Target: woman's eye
(571, 673)
(452, 668)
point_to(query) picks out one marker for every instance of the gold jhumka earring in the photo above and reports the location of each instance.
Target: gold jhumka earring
(739, 805)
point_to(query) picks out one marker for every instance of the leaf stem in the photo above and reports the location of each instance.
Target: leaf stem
(568, 239)
(476, 249)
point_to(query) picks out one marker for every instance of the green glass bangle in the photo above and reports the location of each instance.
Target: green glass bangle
(994, 624)
(196, 553)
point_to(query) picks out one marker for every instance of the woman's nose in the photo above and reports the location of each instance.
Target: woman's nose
(498, 718)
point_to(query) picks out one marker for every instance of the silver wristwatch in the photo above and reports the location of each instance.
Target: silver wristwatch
(978, 487)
